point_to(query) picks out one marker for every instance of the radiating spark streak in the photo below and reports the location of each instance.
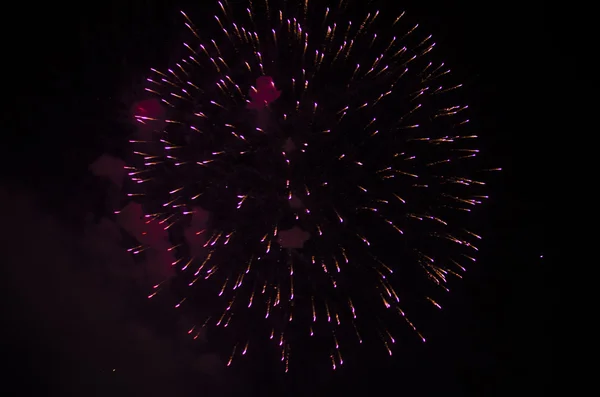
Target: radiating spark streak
(433, 302)
(231, 356)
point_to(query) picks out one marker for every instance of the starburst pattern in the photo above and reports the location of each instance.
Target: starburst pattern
(323, 141)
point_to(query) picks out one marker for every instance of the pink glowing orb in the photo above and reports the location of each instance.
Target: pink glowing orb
(264, 94)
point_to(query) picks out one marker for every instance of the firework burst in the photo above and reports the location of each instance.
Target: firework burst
(312, 169)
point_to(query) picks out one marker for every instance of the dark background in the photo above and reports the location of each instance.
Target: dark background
(71, 75)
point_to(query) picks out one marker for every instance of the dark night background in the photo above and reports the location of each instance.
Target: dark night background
(72, 76)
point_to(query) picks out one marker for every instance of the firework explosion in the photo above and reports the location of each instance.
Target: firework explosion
(309, 173)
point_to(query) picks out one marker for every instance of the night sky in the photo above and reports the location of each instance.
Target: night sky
(76, 325)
